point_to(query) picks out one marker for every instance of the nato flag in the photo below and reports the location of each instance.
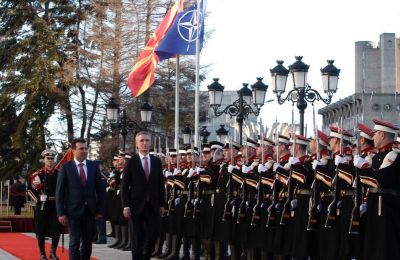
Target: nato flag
(181, 37)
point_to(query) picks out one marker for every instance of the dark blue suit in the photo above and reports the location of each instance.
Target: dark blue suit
(144, 197)
(80, 204)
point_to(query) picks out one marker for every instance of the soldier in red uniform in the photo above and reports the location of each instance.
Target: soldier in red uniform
(42, 190)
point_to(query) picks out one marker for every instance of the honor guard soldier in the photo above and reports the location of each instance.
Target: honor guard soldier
(177, 220)
(383, 195)
(281, 170)
(115, 204)
(223, 195)
(339, 139)
(302, 177)
(42, 190)
(171, 196)
(208, 178)
(251, 177)
(264, 238)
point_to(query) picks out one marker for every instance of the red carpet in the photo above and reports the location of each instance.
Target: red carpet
(26, 248)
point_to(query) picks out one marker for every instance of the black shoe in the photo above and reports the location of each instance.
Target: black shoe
(53, 256)
(43, 256)
(126, 248)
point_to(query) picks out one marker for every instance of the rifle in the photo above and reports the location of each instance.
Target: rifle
(228, 206)
(313, 212)
(241, 217)
(171, 202)
(355, 212)
(333, 208)
(290, 186)
(255, 220)
(189, 206)
(197, 201)
(312, 223)
(274, 207)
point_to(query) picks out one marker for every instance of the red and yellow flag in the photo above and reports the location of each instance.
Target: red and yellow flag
(68, 156)
(142, 75)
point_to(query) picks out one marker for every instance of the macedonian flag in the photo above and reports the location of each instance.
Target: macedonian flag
(142, 75)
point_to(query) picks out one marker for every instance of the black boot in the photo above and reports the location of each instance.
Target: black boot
(159, 246)
(168, 245)
(128, 246)
(118, 238)
(124, 236)
(186, 248)
(54, 244)
(196, 248)
(176, 248)
(42, 250)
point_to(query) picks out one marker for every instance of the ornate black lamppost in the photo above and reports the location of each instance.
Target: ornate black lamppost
(222, 133)
(204, 134)
(187, 132)
(302, 93)
(123, 123)
(241, 108)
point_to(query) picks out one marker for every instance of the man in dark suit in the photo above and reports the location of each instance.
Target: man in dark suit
(143, 197)
(80, 200)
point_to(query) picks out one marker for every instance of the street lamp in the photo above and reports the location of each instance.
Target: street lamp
(241, 108)
(302, 93)
(222, 133)
(122, 122)
(187, 131)
(204, 134)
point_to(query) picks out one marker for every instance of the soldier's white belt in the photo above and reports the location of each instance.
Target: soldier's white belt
(347, 192)
(304, 192)
(384, 191)
(220, 191)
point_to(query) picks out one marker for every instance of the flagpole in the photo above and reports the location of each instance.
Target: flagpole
(178, 75)
(197, 81)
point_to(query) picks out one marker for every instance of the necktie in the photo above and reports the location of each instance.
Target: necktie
(146, 168)
(82, 174)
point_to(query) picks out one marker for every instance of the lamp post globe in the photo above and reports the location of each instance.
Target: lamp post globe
(279, 75)
(187, 131)
(215, 92)
(259, 90)
(299, 72)
(330, 77)
(222, 133)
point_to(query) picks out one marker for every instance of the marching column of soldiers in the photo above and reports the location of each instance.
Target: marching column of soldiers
(333, 196)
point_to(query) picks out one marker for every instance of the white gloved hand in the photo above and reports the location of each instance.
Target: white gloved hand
(360, 162)
(340, 159)
(246, 169)
(293, 160)
(315, 163)
(230, 168)
(199, 169)
(176, 171)
(191, 172)
(168, 173)
(254, 164)
(264, 167)
(36, 180)
(276, 166)
(389, 159)
(323, 161)
(286, 166)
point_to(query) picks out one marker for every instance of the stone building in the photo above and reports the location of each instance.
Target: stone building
(377, 82)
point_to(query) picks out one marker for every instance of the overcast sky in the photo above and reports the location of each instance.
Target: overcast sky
(249, 36)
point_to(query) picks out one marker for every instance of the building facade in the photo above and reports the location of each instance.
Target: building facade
(377, 82)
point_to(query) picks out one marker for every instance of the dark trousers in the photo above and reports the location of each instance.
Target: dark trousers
(146, 227)
(17, 210)
(101, 231)
(81, 230)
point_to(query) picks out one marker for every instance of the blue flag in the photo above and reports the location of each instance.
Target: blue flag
(181, 37)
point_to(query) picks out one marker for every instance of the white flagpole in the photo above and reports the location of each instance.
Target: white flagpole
(197, 81)
(178, 75)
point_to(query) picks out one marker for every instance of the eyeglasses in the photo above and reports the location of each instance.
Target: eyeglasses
(50, 158)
